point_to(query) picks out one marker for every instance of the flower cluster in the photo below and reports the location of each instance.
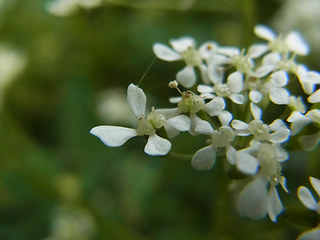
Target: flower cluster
(243, 101)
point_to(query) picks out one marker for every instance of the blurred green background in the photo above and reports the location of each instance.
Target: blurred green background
(57, 180)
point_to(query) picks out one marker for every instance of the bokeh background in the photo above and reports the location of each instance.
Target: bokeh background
(65, 69)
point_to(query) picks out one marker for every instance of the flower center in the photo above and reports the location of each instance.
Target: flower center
(191, 103)
(242, 63)
(191, 57)
(278, 45)
(270, 166)
(259, 130)
(223, 137)
(148, 125)
(288, 65)
(222, 90)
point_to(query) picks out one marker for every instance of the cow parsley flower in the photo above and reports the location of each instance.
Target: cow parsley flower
(276, 132)
(230, 89)
(298, 120)
(309, 201)
(191, 103)
(114, 136)
(260, 197)
(204, 158)
(183, 49)
(283, 43)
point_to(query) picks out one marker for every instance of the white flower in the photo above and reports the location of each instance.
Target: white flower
(114, 136)
(298, 120)
(183, 49)
(259, 198)
(256, 200)
(242, 61)
(309, 201)
(231, 89)
(277, 93)
(204, 158)
(191, 104)
(276, 132)
(282, 44)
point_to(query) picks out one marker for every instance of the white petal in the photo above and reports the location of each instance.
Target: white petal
(279, 95)
(280, 136)
(169, 112)
(257, 50)
(204, 89)
(298, 125)
(271, 59)
(182, 44)
(279, 78)
(113, 136)
(207, 95)
(181, 123)
(274, 205)
(175, 99)
(165, 53)
(204, 158)
(252, 201)
(255, 96)
(313, 234)
(231, 155)
(202, 127)
(309, 142)
(306, 198)
(298, 122)
(171, 131)
(157, 146)
(277, 125)
(312, 77)
(283, 183)
(281, 154)
(295, 116)
(242, 132)
(204, 73)
(237, 98)
(215, 74)
(228, 51)
(207, 48)
(235, 82)
(315, 97)
(225, 117)
(265, 32)
(215, 106)
(256, 111)
(314, 115)
(264, 70)
(136, 100)
(239, 125)
(218, 59)
(315, 184)
(297, 44)
(246, 163)
(186, 77)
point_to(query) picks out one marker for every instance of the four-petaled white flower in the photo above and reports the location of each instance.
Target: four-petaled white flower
(205, 157)
(183, 49)
(114, 136)
(276, 132)
(283, 43)
(231, 89)
(309, 201)
(260, 197)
